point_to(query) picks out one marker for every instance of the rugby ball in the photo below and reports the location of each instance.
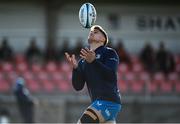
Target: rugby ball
(87, 15)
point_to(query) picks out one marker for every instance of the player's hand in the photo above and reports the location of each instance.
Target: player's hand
(71, 60)
(88, 55)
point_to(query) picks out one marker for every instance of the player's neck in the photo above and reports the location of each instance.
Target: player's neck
(94, 46)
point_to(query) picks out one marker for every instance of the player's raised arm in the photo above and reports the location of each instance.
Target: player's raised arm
(77, 75)
(71, 60)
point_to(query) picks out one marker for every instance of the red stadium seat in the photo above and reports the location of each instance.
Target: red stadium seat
(130, 76)
(4, 86)
(22, 67)
(65, 67)
(7, 67)
(173, 77)
(159, 77)
(51, 67)
(41, 76)
(134, 59)
(28, 75)
(123, 68)
(57, 76)
(123, 86)
(33, 86)
(64, 86)
(137, 68)
(152, 87)
(145, 76)
(36, 68)
(11, 77)
(2, 75)
(48, 86)
(4, 78)
(69, 76)
(137, 86)
(177, 59)
(177, 86)
(120, 76)
(166, 87)
(177, 69)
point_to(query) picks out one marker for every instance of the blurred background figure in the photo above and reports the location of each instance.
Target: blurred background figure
(164, 59)
(147, 56)
(33, 53)
(50, 52)
(64, 48)
(122, 53)
(6, 52)
(24, 100)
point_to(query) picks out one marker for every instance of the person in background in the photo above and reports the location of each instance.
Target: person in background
(33, 53)
(147, 56)
(122, 53)
(50, 52)
(63, 49)
(6, 52)
(24, 100)
(164, 60)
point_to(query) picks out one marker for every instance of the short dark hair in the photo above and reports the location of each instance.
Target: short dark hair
(98, 27)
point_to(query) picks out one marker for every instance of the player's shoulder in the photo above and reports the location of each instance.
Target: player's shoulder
(112, 54)
(110, 50)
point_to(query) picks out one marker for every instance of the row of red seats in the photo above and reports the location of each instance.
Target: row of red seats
(24, 67)
(145, 76)
(138, 68)
(149, 86)
(57, 77)
(60, 81)
(38, 81)
(54, 67)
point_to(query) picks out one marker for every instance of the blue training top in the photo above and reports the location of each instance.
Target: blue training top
(100, 75)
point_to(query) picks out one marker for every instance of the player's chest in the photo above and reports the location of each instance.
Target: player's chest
(89, 66)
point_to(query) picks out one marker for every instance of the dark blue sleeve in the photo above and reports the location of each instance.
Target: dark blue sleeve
(110, 65)
(78, 78)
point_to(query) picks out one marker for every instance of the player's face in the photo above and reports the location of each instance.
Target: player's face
(96, 36)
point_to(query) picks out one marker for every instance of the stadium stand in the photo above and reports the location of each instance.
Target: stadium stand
(56, 77)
